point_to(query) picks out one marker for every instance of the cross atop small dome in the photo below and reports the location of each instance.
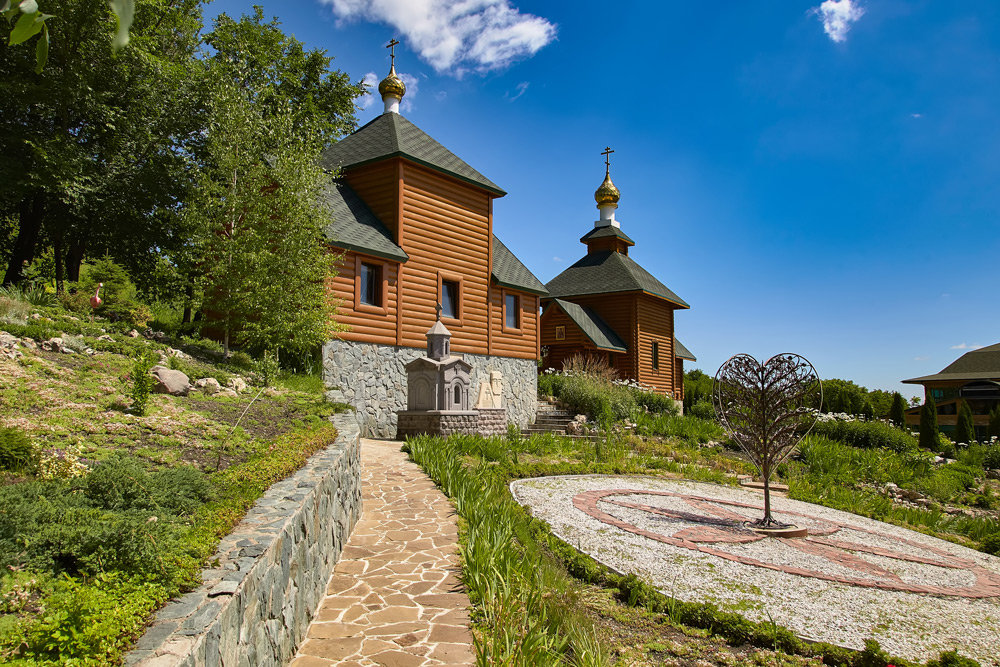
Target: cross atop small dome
(392, 88)
(607, 195)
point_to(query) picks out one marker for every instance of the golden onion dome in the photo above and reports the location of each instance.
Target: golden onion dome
(607, 193)
(392, 85)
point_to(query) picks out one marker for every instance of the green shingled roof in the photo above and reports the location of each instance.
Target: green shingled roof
(608, 271)
(682, 352)
(508, 271)
(353, 226)
(981, 364)
(605, 232)
(590, 323)
(391, 135)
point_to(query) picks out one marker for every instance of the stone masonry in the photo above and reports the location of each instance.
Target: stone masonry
(372, 379)
(254, 607)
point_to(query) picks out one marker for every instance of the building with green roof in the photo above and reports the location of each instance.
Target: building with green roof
(608, 306)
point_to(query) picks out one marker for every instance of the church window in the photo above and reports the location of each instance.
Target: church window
(560, 333)
(449, 299)
(370, 287)
(458, 394)
(656, 354)
(511, 311)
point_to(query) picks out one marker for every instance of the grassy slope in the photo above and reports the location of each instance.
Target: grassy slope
(90, 614)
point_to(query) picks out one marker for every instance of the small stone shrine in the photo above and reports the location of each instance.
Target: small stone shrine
(437, 394)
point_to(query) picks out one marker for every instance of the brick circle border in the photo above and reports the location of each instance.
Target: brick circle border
(726, 527)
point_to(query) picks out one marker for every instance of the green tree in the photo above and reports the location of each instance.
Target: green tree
(965, 430)
(897, 413)
(95, 151)
(273, 107)
(929, 425)
(993, 430)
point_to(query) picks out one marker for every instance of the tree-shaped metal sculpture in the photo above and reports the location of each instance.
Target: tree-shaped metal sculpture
(767, 408)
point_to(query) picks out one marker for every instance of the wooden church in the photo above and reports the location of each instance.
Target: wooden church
(413, 225)
(607, 305)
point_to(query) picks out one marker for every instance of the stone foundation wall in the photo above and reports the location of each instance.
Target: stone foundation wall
(371, 378)
(492, 421)
(255, 606)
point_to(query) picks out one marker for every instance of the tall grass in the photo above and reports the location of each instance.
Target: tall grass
(687, 427)
(525, 602)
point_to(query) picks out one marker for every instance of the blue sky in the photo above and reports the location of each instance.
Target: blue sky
(812, 176)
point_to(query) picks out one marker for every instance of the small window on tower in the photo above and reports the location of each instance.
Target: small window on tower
(656, 354)
(370, 289)
(449, 299)
(560, 333)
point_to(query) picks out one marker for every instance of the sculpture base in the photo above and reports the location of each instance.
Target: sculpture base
(779, 530)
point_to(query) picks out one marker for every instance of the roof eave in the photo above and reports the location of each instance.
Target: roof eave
(401, 259)
(495, 191)
(521, 288)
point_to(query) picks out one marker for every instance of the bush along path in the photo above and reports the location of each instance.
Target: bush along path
(537, 600)
(108, 510)
(394, 597)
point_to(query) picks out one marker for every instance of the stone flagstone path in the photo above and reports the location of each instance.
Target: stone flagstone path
(395, 598)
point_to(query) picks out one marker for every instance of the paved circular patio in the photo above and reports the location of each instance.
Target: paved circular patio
(851, 579)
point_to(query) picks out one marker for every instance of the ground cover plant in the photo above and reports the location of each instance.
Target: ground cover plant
(111, 497)
(537, 600)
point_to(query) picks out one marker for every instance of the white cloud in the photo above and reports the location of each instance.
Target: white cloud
(837, 17)
(371, 82)
(441, 95)
(557, 259)
(921, 358)
(519, 90)
(456, 36)
(916, 115)
(963, 346)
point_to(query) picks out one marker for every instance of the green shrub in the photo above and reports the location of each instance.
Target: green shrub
(991, 544)
(965, 430)
(897, 412)
(866, 435)
(929, 426)
(120, 302)
(952, 659)
(139, 381)
(703, 410)
(17, 453)
(993, 430)
(991, 457)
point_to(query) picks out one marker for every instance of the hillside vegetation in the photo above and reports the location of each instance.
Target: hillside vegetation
(112, 499)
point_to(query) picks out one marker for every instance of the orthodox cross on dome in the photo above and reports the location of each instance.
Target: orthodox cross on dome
(607, 158)
(392, 87)
(392, 51)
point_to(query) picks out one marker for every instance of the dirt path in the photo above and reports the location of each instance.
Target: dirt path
(394, 598)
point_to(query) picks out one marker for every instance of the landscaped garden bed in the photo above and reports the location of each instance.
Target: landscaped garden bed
(536, 595)
(108, 510)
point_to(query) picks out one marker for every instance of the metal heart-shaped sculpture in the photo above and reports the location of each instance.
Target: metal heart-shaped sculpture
(767, 408)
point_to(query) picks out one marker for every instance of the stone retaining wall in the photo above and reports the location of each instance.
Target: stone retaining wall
(372, 379)
(255, 606)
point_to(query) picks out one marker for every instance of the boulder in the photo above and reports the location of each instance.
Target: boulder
(208, 385)
(178, 353)
(237, 384)
(227, 392)
(170, 381)
(133, 334)
(106, 337)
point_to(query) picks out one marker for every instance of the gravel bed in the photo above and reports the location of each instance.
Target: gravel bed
(912, 625)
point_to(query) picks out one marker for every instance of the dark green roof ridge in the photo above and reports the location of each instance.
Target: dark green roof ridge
(605, 232)
(392, 135)
(509, 271)
(593, 327)
(981, 364)
(608, 271)
(353, 226)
